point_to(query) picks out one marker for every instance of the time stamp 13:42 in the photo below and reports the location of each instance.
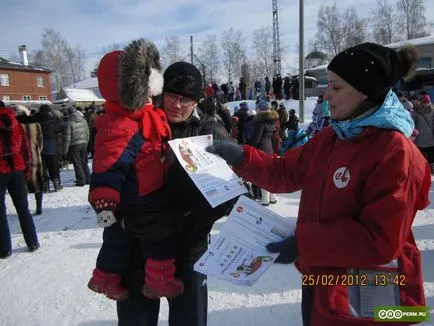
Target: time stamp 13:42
(361, 279)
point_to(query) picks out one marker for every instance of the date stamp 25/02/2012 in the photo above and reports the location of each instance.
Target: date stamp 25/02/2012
(362, 279)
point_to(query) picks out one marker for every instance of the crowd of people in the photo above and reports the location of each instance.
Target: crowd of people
(280, 88)
(156, 223)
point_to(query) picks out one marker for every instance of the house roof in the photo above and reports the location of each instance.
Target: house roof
(78, 95)
(6, 64)
(85, 84)
(427, 40)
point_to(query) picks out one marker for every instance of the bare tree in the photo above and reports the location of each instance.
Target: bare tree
(67, 63)
(412, 18)
(75, 59)
(209, 57)
(353, 28)
(53, 47)
(232, 43)
(329, 33)
(336, 31)
(171, 51)
(263, 47)
(384, 22)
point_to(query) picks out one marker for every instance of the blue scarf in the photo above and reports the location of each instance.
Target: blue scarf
(390, 115)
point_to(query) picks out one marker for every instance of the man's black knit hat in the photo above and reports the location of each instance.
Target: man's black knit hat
(184, 79)
(372, 68)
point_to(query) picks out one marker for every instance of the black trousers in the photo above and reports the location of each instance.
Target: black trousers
(190, 308)
(306, 304)
(15, 184)
(79, 160)
(50, 165)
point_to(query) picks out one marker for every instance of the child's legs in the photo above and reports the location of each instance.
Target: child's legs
(115, 251)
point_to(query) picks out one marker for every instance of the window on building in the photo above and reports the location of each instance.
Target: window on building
(27, 98)
(40, 82)
(4, 80)
(6, 98)
(42, 98)
(424, 62)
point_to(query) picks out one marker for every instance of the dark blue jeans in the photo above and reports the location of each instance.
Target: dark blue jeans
(14, 182)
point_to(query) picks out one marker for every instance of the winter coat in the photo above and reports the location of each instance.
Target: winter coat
(14, 145)
(423, 121)
(51, 127)
(197, 215)
(242, 116)
(34, 135)
(292, 123)
(286, 86)
(129, 162)
(356, 212)
(213, 109)
(267, 86)
(264, 127)
(76, 131)
(283, 119)
(249, 128)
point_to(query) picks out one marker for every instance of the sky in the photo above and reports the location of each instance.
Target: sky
(48, 287)
(97, 24)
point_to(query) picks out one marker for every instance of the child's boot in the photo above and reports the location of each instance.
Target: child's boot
(160, 279)
(108, 284)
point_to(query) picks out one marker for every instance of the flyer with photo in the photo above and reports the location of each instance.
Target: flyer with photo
(238, 254)
(209, 172)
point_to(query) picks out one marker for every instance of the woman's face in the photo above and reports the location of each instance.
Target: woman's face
(178, 108)
(343, 98)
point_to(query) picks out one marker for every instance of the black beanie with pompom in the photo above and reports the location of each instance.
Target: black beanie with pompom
(374, 69)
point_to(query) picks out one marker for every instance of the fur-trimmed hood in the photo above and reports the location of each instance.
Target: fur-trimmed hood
(267, 115)
(131, 76)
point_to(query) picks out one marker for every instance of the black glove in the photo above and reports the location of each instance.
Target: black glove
(232, 153)
(287, 248)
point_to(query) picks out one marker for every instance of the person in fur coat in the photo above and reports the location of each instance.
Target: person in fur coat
(35, 184)
(263, 130)
(129, 169)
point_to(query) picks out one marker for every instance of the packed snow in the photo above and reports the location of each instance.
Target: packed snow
(49, 287)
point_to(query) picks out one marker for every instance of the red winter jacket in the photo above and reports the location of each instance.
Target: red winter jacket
(130, 151)
(14, 145)
(359, 199)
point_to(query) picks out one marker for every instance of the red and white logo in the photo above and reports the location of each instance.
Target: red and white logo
(341, 177)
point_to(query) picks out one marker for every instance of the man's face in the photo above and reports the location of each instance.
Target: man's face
(178, 108)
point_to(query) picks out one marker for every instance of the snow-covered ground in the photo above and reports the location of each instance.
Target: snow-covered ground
(49, 287)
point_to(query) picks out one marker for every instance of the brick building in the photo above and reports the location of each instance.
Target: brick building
(23, 82)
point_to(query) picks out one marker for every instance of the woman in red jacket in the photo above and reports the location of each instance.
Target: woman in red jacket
(362, 182)
(15, 166)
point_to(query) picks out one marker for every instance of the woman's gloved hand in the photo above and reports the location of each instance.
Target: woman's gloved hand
(287, 248)
(232, 153)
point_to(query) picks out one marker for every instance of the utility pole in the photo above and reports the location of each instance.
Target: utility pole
(276, 40)
(301, 62)
(191, 48)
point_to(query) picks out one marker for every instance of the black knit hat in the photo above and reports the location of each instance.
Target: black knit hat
(372, 68)
(184, 79)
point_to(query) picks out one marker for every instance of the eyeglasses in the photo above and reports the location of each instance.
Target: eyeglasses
(184, 101)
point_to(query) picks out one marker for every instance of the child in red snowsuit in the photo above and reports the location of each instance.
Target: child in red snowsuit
(129, 169)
